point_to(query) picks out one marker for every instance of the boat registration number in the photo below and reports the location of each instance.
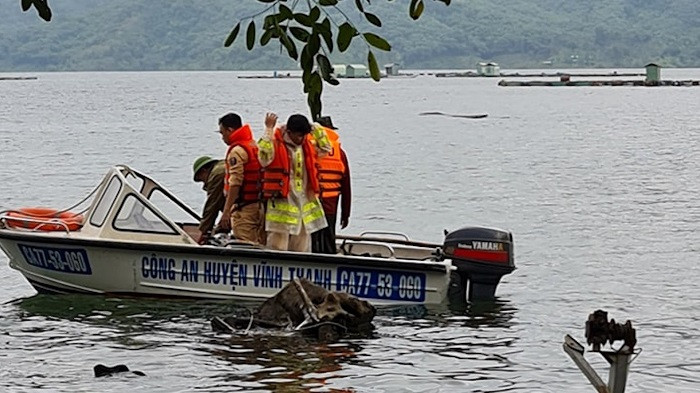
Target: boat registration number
(381, 284)
(66, 260)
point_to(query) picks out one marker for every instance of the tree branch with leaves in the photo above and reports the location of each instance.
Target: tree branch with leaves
(318, 27)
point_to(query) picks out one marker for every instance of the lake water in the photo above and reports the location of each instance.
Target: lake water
(599, 186)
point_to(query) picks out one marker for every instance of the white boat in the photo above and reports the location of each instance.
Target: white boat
(126, 244)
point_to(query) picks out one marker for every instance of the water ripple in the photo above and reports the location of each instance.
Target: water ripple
(598, 185)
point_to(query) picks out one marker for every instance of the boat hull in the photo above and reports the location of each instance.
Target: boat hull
(77, 265)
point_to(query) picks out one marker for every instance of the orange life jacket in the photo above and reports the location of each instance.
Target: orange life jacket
(275, 181)
(331, 168)
(250, 188)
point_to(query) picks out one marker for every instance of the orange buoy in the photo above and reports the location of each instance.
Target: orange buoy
(44, 219)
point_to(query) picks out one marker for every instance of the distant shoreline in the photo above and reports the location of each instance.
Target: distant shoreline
(547, 70)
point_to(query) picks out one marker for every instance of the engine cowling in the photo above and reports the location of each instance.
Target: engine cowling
(482, 256)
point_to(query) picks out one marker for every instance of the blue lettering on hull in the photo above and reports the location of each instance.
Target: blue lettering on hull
(320, 277)
(240, 276)
(66, 260)
(381, 284)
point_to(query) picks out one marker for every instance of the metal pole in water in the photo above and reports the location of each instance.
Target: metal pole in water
(598, 332)
(619, 367)
(575, 352)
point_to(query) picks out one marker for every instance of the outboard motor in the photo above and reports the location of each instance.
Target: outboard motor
(482, 256)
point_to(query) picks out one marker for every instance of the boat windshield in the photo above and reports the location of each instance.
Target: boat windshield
(106, 201)
(161, 198)
(135, 216)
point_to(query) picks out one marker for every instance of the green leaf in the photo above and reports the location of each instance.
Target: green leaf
(315, 14)
(314, 44)
(278, 31)
(269, 21)
(328, 2)
(299, 33)
(314, 86)
(306, 61)
(313, 82)
(373, 67)
(324, 28)
(324, 65)
(371, 18)
(303, 19)
(232, 35)
(267, 36)
(345, 34)
(41, 6)
(250, 35)
(305, 79)
(377, 41)
(272, 20)
(285, 12)
(314, 102)
(419, 9)
(416, 9)
(289, 45)
(358, 4)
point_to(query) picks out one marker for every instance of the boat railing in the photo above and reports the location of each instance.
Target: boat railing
(390, 233)
(392, 240)
(347, 246)
(4, 218)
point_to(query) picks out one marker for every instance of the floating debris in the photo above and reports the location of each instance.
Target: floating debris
(308, 308)
(17, 78)
(103, 371)
(478, 116)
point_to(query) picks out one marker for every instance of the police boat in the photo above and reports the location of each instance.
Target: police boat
(137, 238)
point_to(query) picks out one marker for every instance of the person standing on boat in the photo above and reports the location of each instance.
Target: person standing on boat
(242, 210)
(290, 184)
(211, 173)
(334, 181)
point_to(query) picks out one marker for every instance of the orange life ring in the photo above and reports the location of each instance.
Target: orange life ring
(44, 219)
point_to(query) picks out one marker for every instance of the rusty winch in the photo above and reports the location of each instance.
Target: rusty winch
(599, 331)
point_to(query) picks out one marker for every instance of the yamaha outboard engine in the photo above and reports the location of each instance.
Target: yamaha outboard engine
(482, 256)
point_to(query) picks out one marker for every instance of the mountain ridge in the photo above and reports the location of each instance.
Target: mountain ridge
(119, 35)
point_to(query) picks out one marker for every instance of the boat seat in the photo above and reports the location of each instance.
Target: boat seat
(367, 249)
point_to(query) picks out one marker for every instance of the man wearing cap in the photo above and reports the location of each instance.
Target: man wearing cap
(210, 172)
(334, 182)
(242, 210)
(290, 183)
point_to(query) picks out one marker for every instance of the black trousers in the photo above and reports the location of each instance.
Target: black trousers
(323, 241)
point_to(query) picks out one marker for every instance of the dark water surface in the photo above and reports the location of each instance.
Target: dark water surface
(600, 186)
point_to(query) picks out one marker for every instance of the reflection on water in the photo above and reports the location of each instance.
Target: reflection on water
(122, 312)
(496, 313)
(405, 338)
(442, 343)
(282, 360)
(95, 308)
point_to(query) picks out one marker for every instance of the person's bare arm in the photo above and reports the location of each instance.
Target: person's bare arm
(266, 148)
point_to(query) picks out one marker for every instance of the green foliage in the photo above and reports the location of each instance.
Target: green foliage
(345, 34)
(41, 6)
(309, 27)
